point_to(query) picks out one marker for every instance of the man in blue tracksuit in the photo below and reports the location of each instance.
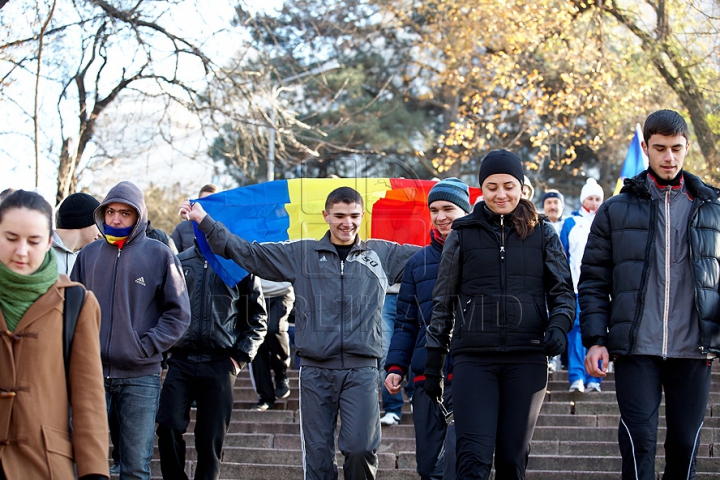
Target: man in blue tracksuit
(340, 284)
(573, 236)
(650, 298)
(434, 439)
(145, 310)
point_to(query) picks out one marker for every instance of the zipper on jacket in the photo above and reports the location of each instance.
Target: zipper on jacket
(503, 281)
(112, 310)
(666, 301)
(202, 307)
(342, 313)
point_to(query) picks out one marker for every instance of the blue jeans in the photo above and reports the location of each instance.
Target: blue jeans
(391, 403)
(136, 402)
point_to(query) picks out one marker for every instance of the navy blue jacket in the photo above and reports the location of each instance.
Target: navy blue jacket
(414, 310)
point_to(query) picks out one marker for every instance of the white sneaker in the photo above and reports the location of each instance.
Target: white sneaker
(577, 386)
(593, 386)
(390, 419)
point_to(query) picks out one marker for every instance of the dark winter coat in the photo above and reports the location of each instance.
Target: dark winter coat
(225, 321)
(414, 311)
(615, 270)
(499, 292)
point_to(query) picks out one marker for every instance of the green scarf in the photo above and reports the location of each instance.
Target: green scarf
(18, 292)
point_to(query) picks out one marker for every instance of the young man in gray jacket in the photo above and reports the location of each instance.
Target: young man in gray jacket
(649, 295)
(145, 310)
(340, 284)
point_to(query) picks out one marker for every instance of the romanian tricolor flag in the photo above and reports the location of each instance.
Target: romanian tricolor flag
(395, 209)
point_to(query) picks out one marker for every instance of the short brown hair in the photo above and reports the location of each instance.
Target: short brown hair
(210, 188)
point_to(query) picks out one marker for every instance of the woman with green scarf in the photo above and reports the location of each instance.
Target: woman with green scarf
(36, 438)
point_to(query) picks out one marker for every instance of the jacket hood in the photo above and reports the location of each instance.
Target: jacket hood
(58, 243)
(696, 187)
(129, 194)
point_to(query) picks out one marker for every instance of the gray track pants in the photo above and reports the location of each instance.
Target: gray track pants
(353, 393)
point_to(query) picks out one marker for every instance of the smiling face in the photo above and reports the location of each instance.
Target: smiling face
(442, 214)
(24, 240)
(666, 155)
(501, 193)
(344, 220)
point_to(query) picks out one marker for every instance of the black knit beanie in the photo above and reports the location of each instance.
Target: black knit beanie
(452, 190)
(501, 161)
(76, 211)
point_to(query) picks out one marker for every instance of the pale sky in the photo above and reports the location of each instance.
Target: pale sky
(162, 165)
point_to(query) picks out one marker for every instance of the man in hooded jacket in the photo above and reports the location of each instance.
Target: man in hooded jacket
(145, 309)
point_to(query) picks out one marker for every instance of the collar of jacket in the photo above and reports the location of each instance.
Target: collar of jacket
(483, 215)
(324, 244)
(695, 187)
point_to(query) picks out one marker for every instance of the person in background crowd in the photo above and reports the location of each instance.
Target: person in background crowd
(553, 204)
(76, 228)
(226, 329)
(650, 296)
(339, 355)
(36, 389)
(449, 199)
(504, 276)
(274, 352)
(145, 310)
(528, 191)
(160, 236)
(184, 235)
(574, 236)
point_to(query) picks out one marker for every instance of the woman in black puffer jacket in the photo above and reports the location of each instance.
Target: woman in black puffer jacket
(504, 284)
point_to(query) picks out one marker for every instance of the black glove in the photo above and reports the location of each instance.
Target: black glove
(434, 374)
(434, 388)
(554, 342)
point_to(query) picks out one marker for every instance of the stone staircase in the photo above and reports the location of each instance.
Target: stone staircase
(575, 438)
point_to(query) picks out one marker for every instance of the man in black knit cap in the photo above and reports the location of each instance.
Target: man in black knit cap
(75, 228)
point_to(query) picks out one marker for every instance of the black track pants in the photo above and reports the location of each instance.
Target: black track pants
(639, 381)
(496, 408)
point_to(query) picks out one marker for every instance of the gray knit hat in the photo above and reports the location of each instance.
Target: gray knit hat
(452, 190)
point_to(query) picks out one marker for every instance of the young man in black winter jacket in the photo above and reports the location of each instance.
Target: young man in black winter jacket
(649, 296)
(227, 327)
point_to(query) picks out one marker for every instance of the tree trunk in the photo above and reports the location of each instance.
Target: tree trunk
(67, 180)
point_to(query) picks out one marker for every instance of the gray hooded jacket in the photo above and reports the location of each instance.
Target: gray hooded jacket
(141, 291)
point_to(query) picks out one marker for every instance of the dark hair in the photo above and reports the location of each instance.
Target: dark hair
(29, 200)
(209, 188)
(343, 195)
(525, 218)
(5, 193)
(667, 123)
